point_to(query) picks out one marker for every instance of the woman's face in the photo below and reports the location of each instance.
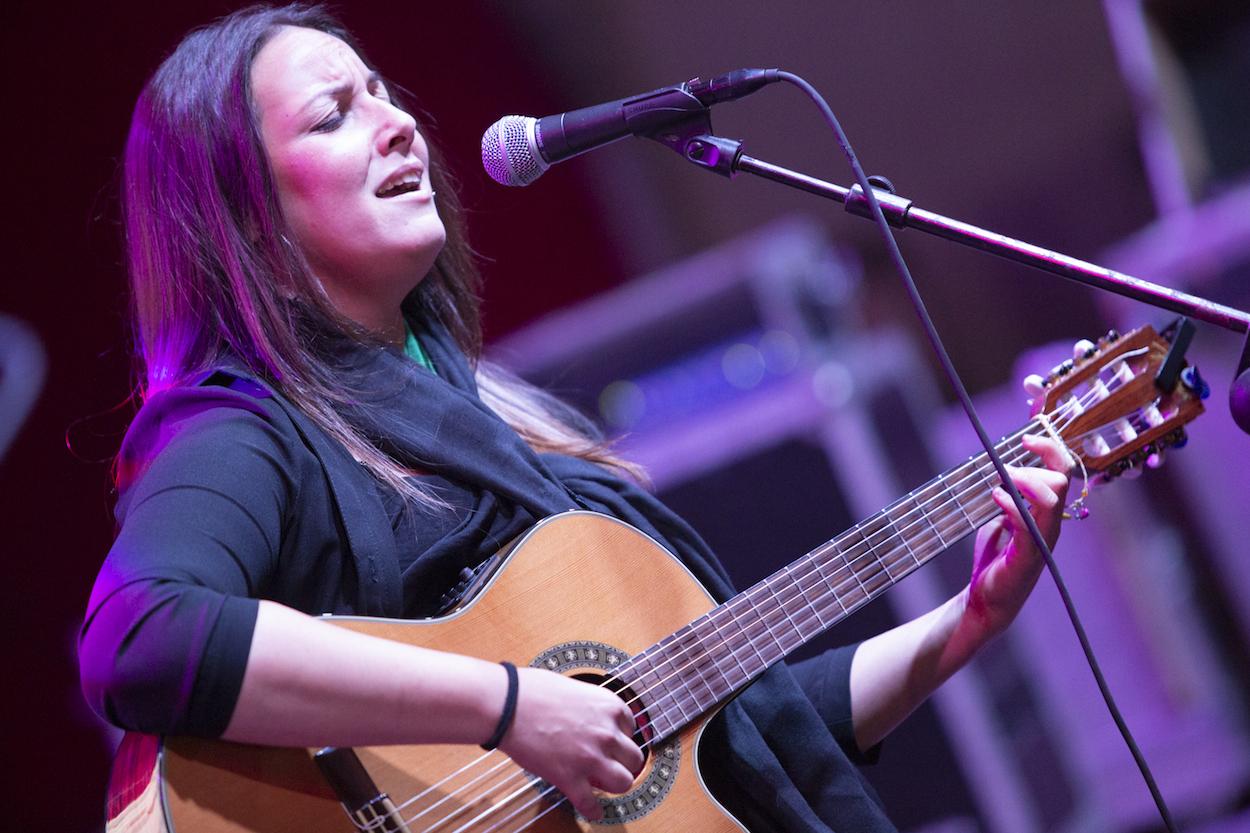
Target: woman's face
(351, 171)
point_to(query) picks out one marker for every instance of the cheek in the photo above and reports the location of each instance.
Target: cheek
(308, 179)
(317, 189)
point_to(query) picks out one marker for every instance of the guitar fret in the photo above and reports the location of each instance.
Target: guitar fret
(769, 659)
(779, 604)
(806, 574)
(716, 655)
(958, 499)
(872, 591)
(855, 589)
(900, 535)
(899, 557)
(689, 664)
(936, 496)
(824, 577)
(718, 649)
(657, 681)
(850, 562)
(924, 515)
(732, 642)
(736, 620)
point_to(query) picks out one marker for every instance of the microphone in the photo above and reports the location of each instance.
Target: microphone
(516, 150)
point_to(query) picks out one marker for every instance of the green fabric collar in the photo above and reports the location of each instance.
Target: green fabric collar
(414, 351)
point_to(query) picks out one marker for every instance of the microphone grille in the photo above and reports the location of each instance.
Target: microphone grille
(510, 151)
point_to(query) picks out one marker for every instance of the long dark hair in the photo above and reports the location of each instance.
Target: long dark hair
(215, 278)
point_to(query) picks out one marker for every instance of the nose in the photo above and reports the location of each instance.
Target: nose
(396, 130)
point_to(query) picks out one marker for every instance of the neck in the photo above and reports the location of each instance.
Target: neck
(384, 321)
(395, 332)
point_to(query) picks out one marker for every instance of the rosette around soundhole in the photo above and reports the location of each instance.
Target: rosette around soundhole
(663, 758)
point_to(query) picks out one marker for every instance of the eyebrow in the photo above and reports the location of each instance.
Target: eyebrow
(374, 77)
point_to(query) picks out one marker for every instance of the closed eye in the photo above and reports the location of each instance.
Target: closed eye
(377, 88)
(329, 123)
(343, 96)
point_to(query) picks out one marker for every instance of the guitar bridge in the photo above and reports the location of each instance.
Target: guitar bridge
(369, 808)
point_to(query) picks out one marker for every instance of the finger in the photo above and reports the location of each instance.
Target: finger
(1054, 456)
(612, 777)
(1047, 521)
(585, 802)
(628, 753)
(1033, 486)
(1012, 522)
(625, 720)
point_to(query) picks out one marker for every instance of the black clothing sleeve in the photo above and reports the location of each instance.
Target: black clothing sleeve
(826, 680)
(207, 484)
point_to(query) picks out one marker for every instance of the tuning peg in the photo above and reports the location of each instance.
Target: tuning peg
(1155, 460)
(1034, 385)
(1084, 349)
(1063, 368)
(1193, 380)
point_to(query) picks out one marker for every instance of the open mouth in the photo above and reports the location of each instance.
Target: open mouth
(405, 186)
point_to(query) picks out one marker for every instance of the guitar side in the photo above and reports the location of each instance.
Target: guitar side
(580, 591)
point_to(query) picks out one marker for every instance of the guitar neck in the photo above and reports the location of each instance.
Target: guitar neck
(720, 653)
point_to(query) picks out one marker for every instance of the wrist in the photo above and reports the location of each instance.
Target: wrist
(976, 625)
(507, 712)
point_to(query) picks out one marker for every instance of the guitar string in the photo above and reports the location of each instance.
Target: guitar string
(1145, 423)
(1139, 418)
(768, 625)
(1074, 405)
(978, 469)
(1141, 422)
(521, 773)
(842, 583)
(542, 796)
(615, 678)
(763, 620)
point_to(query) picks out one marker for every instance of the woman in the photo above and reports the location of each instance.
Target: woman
(319, 435)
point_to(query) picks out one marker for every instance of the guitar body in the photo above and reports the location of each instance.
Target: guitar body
(578, 593)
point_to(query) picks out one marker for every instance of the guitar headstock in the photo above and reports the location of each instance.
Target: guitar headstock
(1108, 407)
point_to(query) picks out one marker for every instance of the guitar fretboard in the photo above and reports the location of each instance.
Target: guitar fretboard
(718, 654)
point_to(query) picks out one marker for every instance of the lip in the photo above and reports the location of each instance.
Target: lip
(398, 175)
(420, 195)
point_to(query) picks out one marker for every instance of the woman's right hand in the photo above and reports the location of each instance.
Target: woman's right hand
(575, 735)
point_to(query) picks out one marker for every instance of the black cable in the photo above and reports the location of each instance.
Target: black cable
(953, 377)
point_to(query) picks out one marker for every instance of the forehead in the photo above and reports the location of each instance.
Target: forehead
(297, 62)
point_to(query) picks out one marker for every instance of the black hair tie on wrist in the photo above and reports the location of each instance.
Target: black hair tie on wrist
(509, 709)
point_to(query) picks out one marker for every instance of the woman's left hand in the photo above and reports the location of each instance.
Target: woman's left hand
(895, 671)
(1006, 562)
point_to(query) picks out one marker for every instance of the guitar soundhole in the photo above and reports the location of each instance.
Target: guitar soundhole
(643, 733)
(600, 664)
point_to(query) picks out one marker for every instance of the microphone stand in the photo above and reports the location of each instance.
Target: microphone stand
(725, 157)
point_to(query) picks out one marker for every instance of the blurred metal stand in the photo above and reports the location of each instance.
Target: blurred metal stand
(23, 365)
(1187, 72)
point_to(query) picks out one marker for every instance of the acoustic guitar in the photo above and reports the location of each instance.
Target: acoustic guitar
(586, 595)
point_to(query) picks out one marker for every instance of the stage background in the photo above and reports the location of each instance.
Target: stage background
(1011, 115)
